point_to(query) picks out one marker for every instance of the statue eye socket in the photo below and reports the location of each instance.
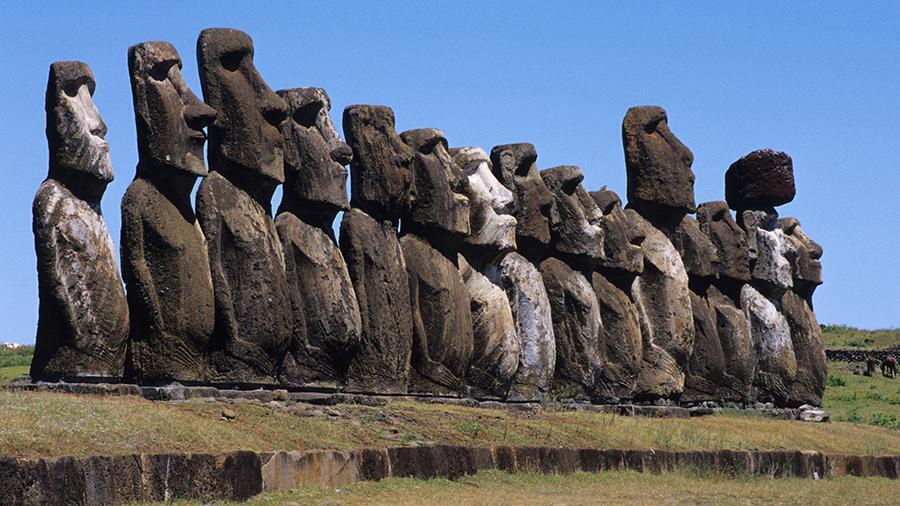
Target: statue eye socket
(232, 61)
(307, 114)
(160, 71)
(71, 89)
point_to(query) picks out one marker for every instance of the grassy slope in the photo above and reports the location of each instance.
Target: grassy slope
(496, 487)
(14, 363)
(843, 336)
(57, 424)
(856, 398)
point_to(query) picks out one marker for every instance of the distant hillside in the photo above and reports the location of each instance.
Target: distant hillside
(845, 336)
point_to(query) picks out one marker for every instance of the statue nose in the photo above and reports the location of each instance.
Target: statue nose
(198, 115)
(274, 110)
(342, 154)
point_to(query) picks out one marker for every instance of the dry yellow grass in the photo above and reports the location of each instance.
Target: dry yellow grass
(41, 424)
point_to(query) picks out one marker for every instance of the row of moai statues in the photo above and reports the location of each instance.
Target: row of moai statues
(456, 272)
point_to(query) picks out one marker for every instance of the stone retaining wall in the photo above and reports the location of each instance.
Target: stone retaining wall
(861, 355)
(241, 475)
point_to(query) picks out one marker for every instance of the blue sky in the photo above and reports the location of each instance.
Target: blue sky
(818, 80)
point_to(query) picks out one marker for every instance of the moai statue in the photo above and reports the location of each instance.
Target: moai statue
(443, 340)
(576, 247)
(660, 193)
(796, 304)
(621, 263)
(497, 345)
(83, 315)
(754, 185)
(252, 297)
(724, 298)
(381, 192)
(514, 166)
(326, 316)
(164, 256)
(705, 372)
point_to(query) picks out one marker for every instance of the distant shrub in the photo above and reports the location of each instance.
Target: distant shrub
(885, 420)
(854, 416)
(858, 343)
(470, 428)
(836, 380)
(16, 357)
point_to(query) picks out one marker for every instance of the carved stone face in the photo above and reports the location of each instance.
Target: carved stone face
(381, 178)
(76, 134)
(314, 154)
(492, 225)
(621, 241)
(807, 266)
(658, 164)
(770, 250)
(441, 186)
(573, 234)
(730, 240)
(535, 208)
(170, 118)
(245, 136)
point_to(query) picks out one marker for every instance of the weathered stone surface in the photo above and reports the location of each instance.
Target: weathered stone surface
(315, 158)
(164, 252)
(737, 347)
(621, 247)
(378, 272)
(326, 319)
(496, 342)
(658, 164)
(706, 366)
(807, 266)
(575, 239)
(698, 253)
(622, 335)
(729, 239)
(769, 250)
(576, 328)
(535, 208)
(253, 312)
(285, 471)
(663, 300)
(530, 306)
(443, 342)
(83, 314)
(759, 180)
(381, 177)
(806, 340)
(776, 365)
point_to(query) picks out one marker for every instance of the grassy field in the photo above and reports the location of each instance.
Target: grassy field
(843, 336)
(862, 399)
(41, 424)
(14, 362)
(497, 487)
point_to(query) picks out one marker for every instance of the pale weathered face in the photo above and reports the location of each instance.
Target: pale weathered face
(491, 222)
(170, 118)
(75, 131)
(771, 249)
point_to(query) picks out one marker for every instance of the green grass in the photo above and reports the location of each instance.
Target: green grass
(497, 487)
(8, 374)
(854, 398)
(844, 336)
(14, 362)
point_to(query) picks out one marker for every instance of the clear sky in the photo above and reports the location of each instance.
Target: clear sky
(818, 80)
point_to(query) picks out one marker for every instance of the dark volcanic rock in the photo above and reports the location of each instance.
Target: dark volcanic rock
(706, 366)
(164, 254)
(326, 319)
(515, 167)
(737, 346)
(622, 335)
(381, 177)
(698, 253)
(760, 179)
(253, 311)
(621, 248)
(658, 164)
(806, 338)
(729, 239)
(378, 273)
(576, 237)
(443, 340)
(807, 266)
(83, 314)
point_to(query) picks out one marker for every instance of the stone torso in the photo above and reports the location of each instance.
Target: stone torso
(83, 323)
(254, 325)
(174, 253)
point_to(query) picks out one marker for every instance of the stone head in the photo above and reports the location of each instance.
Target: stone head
(577, 234)
(493, 228)
(515, 166)
(621, 241)
(729, 239)
(170, 118)
(769, 250)
(381, 177)
(698, 252)
(807, 264)
(441, 204)
(76, 135)
(245, 140)
(314, 155)
(658, 165)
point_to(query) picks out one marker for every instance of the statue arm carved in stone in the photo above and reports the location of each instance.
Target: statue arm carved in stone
(431, 369)
(133, 225)
(215, 230)
(48, 255)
